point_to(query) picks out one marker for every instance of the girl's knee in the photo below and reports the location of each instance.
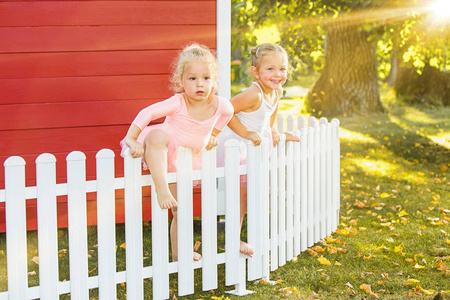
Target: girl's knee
(156, 138)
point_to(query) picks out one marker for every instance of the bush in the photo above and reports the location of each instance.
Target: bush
(430, 87)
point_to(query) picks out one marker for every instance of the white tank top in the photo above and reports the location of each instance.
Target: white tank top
(258, 120)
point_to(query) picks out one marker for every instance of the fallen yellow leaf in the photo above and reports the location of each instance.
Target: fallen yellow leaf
(318, 249)
(402, 213)
(197, 245)
(367, 289)
(35, 259)
(399, 248)
(412, 280)
(329, 239)
(417, 266)
(324, 261)
(385, 195)
(312, 252)
(122, 245)
(428, 292)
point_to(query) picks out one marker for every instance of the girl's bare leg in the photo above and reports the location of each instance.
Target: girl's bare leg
(155, 156)
(174, 229)
(244, 247)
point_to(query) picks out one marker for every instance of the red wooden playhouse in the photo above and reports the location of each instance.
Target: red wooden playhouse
(73, 75)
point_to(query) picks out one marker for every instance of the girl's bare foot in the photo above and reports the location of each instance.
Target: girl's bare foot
(167, 201)
(197, 257)
(246, 249)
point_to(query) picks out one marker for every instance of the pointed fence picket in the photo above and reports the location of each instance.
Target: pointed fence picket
(293, 202)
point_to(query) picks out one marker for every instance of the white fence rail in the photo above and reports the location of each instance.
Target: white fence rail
(293, 202)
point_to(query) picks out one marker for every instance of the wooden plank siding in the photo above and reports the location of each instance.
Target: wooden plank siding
(74, 74)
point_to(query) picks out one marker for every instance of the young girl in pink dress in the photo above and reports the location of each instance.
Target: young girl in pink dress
(194, 117)
(256, 110)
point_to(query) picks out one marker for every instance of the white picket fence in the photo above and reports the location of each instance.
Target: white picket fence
(293, 202)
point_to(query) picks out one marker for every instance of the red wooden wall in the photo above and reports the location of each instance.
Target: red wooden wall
(73, 74)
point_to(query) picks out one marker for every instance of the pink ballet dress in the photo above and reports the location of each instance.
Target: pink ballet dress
(181, 128)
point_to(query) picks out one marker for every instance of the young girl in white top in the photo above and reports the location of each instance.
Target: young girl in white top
(256, 110)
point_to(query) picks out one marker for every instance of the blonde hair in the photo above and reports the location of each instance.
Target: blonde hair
(194, 52)
(264, 50)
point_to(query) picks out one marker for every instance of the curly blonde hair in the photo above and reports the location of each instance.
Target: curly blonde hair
(194, 52)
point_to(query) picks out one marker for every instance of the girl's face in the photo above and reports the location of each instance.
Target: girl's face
(197, 80)
(272, 71)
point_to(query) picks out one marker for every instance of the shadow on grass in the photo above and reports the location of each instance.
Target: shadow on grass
(408, 142)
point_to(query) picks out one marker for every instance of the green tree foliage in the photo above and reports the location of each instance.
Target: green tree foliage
(404, 35)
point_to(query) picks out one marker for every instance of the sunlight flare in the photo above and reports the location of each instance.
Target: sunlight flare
(441, 9)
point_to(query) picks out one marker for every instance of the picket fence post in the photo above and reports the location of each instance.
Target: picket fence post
(16, 227)
(47, 226)
(316, 178)
(329, 203)
(133, 226)
(274, 209)
(304, 188)
(336, 173)
(185, 221)
(289, 200)
(281, 202)
(77, 219)
(254, 218)
(323, 176)
(160, 254)
(303, 154)
(310, 187)
(296, 177)
(106, 225)
(234, 260)
(209, 220)
(265, 246)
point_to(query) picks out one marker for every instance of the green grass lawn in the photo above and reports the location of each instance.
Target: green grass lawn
(393, 240)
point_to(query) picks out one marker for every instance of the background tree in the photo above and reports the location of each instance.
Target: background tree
(353, 45)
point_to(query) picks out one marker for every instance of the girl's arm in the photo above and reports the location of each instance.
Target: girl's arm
(242, 131)
(226, 114)
(144, 117)
(245, 101)
(158, 110)
(136, 149)
(213, 139)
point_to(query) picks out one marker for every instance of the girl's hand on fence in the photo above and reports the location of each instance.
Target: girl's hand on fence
(291, 137)
(275, 136)
(136, 149)
(212, 142)
(254, 137)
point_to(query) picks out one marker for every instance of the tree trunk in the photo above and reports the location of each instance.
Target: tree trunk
(349, 82)
(392, 77)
